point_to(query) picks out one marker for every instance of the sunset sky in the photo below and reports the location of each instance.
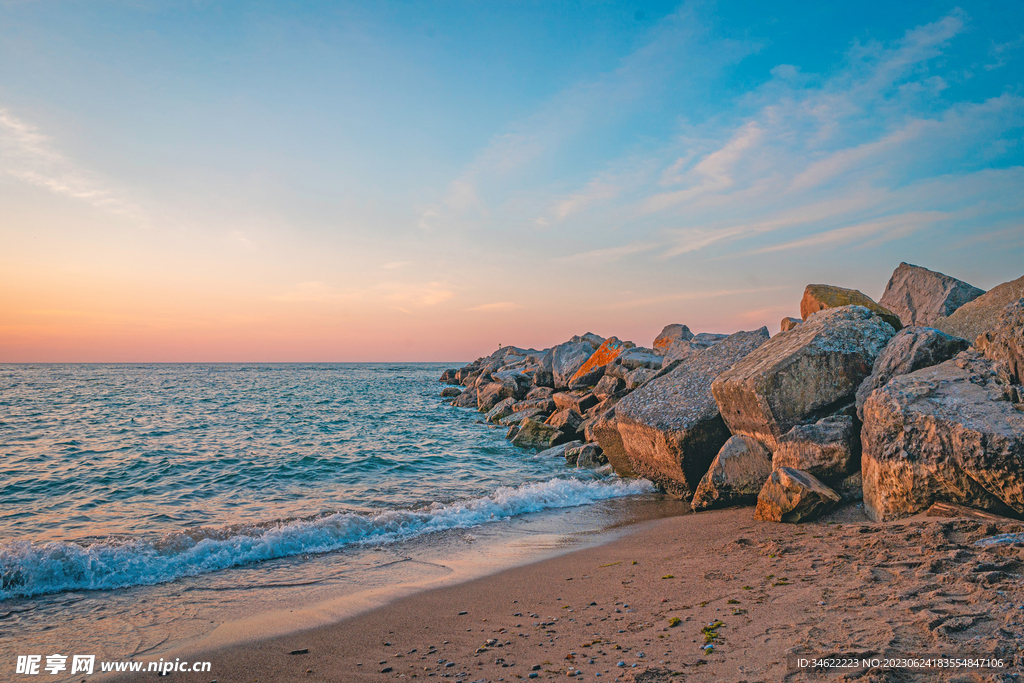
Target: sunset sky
(214, 181)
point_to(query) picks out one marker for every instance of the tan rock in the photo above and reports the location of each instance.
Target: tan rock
(671, 333)
(822, 297)
(982, 314)
(791, 495)
(1005, 344)
(946, 433)
(790, 323)
(802, 375)
(606, 432)
(538, 436)
(920, 296)
(736, 475)
(829, 449)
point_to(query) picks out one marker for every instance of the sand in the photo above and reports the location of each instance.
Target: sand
(760, 593)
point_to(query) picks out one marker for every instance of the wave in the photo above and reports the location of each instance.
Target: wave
(28, 569)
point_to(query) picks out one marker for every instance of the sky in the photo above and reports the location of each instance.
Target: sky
(422, 181)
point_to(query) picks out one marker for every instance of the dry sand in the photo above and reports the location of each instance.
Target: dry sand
(759, 592)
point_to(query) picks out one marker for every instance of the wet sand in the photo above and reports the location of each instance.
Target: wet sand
(759, 593)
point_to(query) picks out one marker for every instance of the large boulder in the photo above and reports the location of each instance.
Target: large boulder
(467, 399)
(450, 392)
(920, 296)
(567, 359)
(559, 451)
(581, 402)
(670, 334)
(567, 419)
(822, 297)
(790, 495)
(538, 436)
(687, 347)
(502, 409)
(636, 378)
(829, 449)
(607, 386)
(670, 427)
(736, 475)
(590, 372)
(803, 375)
(911, 349)
(1005, 344)
(981, 315)
(586, 455)
(640, 358)
(943, 433)
(517, 382)
(489, 395)
(516, 417)
(606, 432)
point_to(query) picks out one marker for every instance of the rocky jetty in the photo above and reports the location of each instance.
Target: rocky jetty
(914, 400)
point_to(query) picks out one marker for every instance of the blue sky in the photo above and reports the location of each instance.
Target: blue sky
(298, 181)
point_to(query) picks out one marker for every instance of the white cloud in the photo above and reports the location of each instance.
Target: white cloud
(497, 307)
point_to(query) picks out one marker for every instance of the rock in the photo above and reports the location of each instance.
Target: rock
(681, 349)
(567, 358)
(538, 436)
(559, 451)
(467, 399)
(544, 378)
(634, 378)
(585, 455)
(1005, 344)
(671, 333)
(981, 315)
(852, 488)
(567, 419)
(607, 386)
(671, 429)
(489, 395)
(920, 296)
(822, 297)
(502, 409)
(590, 372)
(470, 379)
(736, 475)
(594, 340)
(450, 392)
(464, 372)
(516, 381)
(545, 405)
(606, 432)
(828, 449)
(516, 417)
(945, 433)
(512, 431)
(802, 375)
(790, 323)
(790, 495)
(449, 376)
(539, 392)
(911, 349)
(640, 358)
(580, 402)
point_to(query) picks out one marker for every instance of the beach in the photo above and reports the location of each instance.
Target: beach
(761, 594)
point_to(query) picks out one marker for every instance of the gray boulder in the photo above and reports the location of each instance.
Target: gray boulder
(635, 378)
(581, 402)
(559, 451)
(736, 475)
(911, 349)
(502, 409)
(595, 340)
(450, 392)
(981, 315)
(640, 358)
(544, 378)
(538, 436)
(945, 433)
(467, 399)
(679, 350)
(567, 359)
(516, 417)
(802, 375)
(567, 419)
(517, 382)
(489, 395)
(671, 428)
(585, 455)
(608, 385)
(829, 449)
(920, 296)
(670, 334)
(793, 496)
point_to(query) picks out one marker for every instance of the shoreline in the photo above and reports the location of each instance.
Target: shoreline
(841, 584)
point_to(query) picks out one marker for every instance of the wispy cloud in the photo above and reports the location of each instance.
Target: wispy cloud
(599, 256)
(497, 307)
(31, 156)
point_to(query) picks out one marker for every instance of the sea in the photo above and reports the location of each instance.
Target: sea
(149, 508)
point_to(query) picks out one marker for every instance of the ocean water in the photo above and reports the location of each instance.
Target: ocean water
(116, 477)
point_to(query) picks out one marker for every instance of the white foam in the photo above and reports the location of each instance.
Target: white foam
(28, 569)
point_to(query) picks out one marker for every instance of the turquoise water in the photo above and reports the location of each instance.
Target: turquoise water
(120, 475)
